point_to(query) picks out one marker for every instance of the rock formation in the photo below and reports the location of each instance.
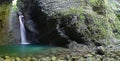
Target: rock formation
(5, 35)
(59, 22)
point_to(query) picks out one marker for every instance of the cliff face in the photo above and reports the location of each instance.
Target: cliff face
(59, 22)
(5, 35)
(86, 22)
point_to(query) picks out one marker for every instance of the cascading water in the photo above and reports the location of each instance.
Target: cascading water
(22, 30)
(22, 27)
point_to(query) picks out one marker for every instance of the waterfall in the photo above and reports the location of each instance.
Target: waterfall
(14, 9)
(22, 30)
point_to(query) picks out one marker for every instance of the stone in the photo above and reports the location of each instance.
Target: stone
(109, 59)
(98, 59)
(48, 58)
(1, 59)
(81, 59)
(7, 60)
(90, 59)
(44, 59)
(33, 59)
(7, 57)
(89, 55)
(98, 56)
(17, 59)
(12, 59)
(100, 50)
(53, 58)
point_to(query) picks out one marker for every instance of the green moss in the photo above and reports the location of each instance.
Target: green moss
(4, 23)
(4, 12)
(73, 11)
(97, 21)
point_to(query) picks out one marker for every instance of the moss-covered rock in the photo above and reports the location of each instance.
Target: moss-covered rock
(5, 36)
(94, 22)
(84, 21)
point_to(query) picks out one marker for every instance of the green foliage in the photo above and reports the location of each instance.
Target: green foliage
(118, 15)
(99, 6)
(4, 15)
(4, 12)
(93, 1)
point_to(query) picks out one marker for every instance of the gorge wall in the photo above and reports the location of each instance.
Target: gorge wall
(85, 21)
(5, 34)
(59, 22)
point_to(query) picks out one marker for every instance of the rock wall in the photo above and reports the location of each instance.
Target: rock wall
(5, 34)
(61, 21)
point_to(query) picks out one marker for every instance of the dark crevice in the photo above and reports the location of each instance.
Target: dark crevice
(48, 35)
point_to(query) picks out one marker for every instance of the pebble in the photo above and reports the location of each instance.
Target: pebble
(33, 59)
(48, 58)
(90, 59)
(7, 57)
(54, 58)
(13, 59)
(28, 58)
(1, 59)
(17, 59)
(44, 59)
(68, 57)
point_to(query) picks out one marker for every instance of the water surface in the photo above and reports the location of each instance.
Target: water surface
(23, 49)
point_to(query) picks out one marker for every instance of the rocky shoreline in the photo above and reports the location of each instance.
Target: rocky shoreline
(65, 55)
(68, 57)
